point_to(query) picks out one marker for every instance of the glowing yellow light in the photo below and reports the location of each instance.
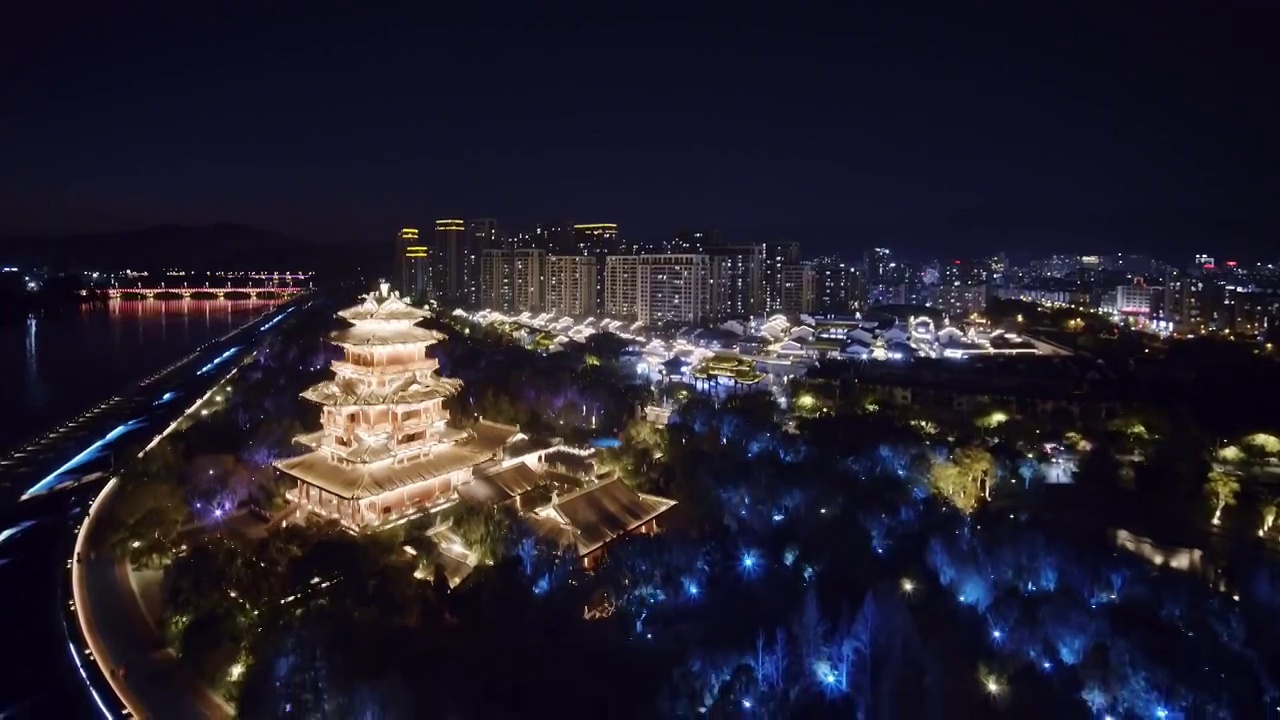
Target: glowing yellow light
(908, 585)
(992, 682)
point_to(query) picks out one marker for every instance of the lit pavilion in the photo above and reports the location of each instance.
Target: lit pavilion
(384, 451)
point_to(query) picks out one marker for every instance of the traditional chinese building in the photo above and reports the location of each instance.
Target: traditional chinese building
(586, 520)
(384, 450)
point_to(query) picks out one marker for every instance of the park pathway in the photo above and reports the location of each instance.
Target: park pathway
(147, 676)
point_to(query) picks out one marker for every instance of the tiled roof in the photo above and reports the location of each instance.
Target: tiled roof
(502, 485)
(353, 480)
(595, 515)
(365, 480)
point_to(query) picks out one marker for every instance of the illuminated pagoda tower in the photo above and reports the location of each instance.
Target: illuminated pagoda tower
(384, 451)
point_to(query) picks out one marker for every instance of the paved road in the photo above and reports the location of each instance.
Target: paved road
(120, 636)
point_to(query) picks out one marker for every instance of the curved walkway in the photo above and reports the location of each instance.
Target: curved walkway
(146, 675)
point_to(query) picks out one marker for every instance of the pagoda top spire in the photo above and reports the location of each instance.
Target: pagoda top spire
(383, 304)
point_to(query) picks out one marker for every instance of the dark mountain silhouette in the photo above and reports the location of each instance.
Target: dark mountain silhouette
(223, 246)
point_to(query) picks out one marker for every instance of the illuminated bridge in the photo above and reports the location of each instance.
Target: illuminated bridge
(280, 290)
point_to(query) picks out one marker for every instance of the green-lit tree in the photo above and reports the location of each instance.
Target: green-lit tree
(955, 484)
(978, 466)
(1269, 510)
(1221, 489)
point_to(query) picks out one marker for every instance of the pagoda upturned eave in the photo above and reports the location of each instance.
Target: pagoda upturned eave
(334, 394)
(385, 306)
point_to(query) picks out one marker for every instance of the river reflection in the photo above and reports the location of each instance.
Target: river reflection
(56, 366)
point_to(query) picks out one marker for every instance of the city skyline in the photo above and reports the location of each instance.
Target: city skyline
(881, 129)
(816, 363)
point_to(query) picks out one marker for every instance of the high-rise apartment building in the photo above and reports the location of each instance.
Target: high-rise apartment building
(571, 285)
(513, 280)
(736, 279)
(449, 240)
(528, 280)
(835, 287)
(554, 237)
(1059, 266)
(597, 240)
(673, 288)
(1134, 299)
(968, 272)
(737, 270)
(1128, 263)
(795, 289)
(776, 256)
(658, 288)
(959, 301)
(413, 270)
(1254, 310)
(621, 278)
(1195, 304)
(482, 234)
(692, 241)
(497, 285)
(877, 262)
(459, 246)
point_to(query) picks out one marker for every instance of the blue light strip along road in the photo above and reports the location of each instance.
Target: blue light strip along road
(275, 320)
(96, 450)
(92, 452)
(166, 397)
(222, 358)
(16, 529)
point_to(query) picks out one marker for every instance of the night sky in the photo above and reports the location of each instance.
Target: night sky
(1022, 130)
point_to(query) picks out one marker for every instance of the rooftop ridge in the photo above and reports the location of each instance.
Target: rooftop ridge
(556, 500)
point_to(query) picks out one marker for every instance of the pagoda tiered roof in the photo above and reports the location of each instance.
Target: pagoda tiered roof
(345, 392)
(355, 481)
(383, 306)
(368, 336)
(370, 450)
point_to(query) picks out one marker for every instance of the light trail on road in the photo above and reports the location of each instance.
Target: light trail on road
(90, 453)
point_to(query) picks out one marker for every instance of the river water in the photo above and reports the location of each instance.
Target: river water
(54, 367)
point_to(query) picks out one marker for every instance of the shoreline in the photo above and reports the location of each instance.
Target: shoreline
(126, 389)
(96, 651)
